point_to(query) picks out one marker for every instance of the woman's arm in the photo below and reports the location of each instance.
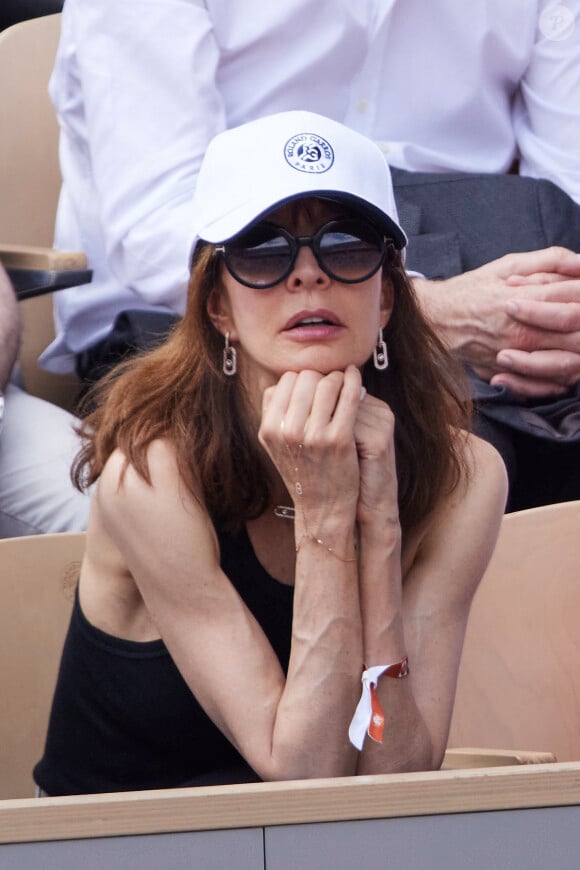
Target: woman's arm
(424, 618)
(308, 430)
(289, 727)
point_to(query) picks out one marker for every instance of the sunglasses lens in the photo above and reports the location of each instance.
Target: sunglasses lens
(259, 258)
(348, 249)
(351, 250)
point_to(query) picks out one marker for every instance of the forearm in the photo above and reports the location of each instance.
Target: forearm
(310, 735)
(460, 316)
(307, 426)
(406, 743)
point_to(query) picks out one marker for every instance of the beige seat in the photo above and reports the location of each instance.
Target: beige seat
(37, 577)
(30, 183)
(519, 680)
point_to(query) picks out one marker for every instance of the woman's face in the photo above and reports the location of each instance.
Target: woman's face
(306, 321)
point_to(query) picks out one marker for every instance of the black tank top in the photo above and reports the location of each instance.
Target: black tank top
(123, 718)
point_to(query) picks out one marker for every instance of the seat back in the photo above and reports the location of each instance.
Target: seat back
(37, 574)
(37, 578)
(519, 679)
(29, 173)
(30, 178)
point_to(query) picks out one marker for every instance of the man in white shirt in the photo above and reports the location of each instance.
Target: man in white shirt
(140, 90)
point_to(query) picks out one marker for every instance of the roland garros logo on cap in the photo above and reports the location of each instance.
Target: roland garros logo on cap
(308, 152)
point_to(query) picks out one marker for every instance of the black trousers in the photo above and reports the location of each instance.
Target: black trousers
(13, 11)
(539, 471)
(457, 222)
(133, 331)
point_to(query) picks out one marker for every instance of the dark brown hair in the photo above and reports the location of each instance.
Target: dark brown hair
(178, 391)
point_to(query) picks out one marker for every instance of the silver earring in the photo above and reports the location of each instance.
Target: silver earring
(380, 355)
(230, 361)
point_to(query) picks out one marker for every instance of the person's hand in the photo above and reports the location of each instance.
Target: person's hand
(515, 321)
(374, 433)
(307, 428)
(555, 319)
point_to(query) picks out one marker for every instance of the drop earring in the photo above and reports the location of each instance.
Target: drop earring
(380, 356)
(230, 358)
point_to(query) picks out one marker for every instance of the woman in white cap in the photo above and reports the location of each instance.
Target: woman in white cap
(290, 517)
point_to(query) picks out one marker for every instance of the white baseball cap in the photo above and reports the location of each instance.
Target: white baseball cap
(250, 170)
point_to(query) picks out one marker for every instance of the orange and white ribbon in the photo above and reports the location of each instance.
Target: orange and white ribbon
(369, 717)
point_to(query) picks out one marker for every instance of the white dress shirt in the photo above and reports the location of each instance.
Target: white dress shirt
(141, 86)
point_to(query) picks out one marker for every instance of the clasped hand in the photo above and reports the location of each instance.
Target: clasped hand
(323, 433)
(515, 321)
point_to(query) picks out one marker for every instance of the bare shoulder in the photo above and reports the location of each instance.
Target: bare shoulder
(480, 492)
(486, 472)
(119, 472)
(152, 547)
(461, 533)
(125, 495)
(146, 518)
(120, 480)
(477, 504)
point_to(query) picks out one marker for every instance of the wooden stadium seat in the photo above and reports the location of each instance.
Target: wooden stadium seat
(37, 577)
(38, 574)
(30, 183)
(519, 679)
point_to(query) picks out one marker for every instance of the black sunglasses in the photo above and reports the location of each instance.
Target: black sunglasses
(349, 250)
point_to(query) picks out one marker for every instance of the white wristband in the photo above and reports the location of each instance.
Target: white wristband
(369, 717)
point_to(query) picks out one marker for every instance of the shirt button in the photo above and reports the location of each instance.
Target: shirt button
(362, 105)
(384, 147)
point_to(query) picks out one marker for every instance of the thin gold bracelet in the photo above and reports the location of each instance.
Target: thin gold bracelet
(322, 543)
(288, 513)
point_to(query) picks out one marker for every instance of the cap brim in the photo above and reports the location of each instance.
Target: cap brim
(235, 221)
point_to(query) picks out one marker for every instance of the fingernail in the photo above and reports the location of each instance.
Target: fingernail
(505, 359)
(512, 307)
(363, 393)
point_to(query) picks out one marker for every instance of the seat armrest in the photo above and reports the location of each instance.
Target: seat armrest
(456, 759)
(35, 270)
